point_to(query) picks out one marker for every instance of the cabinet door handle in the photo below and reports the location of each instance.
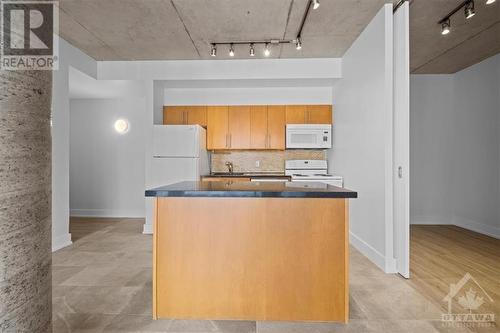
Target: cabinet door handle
(230, 140)
(227, 140)
(269, 141)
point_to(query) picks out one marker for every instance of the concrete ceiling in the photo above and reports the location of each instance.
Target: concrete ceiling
(183, 29)
(469, 42)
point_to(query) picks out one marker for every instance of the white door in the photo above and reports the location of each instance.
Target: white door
(402, 139)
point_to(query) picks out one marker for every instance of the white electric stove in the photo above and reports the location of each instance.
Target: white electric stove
(311, 171)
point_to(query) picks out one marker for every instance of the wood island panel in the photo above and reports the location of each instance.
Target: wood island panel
(251, 259)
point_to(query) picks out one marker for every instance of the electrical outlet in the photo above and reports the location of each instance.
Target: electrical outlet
(257, 164)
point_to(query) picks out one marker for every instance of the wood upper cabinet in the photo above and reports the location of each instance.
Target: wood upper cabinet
(196, 115)
(258, 127)
(251, 127)
(174, 115)
(185, 115)
(217, 127)
(276, 117)
(319, 114)
(267, 127)
(309, 114)
(296, 114)
(239, 127)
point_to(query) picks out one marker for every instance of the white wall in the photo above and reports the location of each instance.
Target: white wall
(69, 56)
(431, 109)
(242, 96)
(248, 69)
(362, 140)
(107, 174)
(455, 143)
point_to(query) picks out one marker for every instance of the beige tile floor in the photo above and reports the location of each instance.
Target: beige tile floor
(102, 283)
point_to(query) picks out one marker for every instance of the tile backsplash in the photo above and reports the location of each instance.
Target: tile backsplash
(269, 161)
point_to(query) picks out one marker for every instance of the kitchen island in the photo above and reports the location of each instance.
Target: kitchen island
(251, 251)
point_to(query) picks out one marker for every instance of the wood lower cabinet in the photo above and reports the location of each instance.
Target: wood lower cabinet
(284, 259)
(185, 115)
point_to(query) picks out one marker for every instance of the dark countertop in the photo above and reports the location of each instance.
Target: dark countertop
(247, 175)
(251, 189)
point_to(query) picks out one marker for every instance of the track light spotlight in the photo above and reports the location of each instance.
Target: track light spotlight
(252, 50)
(231, 51)
(445, 27)
(489, 2)
(315, 4)
(469, 10)
(267, 51)
(213, 50)
(298, 43)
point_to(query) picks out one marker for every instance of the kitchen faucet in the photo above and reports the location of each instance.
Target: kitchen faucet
(230, 166)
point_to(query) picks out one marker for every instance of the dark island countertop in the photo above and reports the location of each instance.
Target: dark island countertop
(251, 189)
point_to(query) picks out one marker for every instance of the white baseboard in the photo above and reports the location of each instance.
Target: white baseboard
(478, 227)
(432, 220)
(459, 222)
(147, 229)
(107, 213)
(368, 251)
(58, 242)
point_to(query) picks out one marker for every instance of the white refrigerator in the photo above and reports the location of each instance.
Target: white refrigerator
(179, 154)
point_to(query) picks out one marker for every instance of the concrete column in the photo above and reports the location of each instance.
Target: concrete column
(25, 201)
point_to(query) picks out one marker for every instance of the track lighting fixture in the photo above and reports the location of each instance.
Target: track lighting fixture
(267, 51)
(469, 10)
(445, 27)
(269, 42)
(298, 44)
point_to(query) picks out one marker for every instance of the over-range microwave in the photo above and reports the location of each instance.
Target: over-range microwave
(309, 136)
